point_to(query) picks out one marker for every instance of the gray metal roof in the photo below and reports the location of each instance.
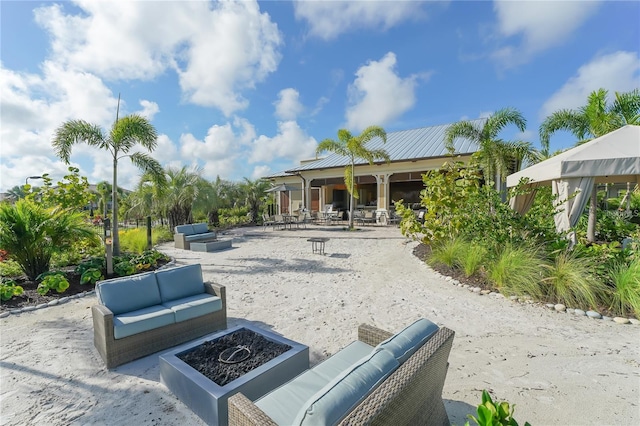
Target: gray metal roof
(404, 145)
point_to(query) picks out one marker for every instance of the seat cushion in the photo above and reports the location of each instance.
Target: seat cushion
(130, 293)
(405, 343)
(282, 404)
(333, 366)
(184, 229)
(336, 399)
(200, 228)
(198, 237)
(178, 283)
(194, 306)
(130, 323)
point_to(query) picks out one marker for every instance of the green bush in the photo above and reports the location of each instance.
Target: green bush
(8, 289)
(135, 240)
(52, 281)
(494, 413)
(447, 252)
(517, 270)
(91, 276)
(626, 293)
(10, 268)
(569, 280)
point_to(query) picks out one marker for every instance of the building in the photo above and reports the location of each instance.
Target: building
(319, 183)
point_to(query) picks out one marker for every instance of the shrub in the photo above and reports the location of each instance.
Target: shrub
(91, 276)
(517, 270)
(52, 281)
(133, 240)
(447, 252)
(494, 413)
(10, 268)
(8, 289)
(626, 294)
(569, 280)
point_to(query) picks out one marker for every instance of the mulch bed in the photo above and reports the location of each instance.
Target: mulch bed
(423, 251)
(30, 297)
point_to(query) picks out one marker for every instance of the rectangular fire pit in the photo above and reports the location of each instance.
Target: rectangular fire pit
(206, 398)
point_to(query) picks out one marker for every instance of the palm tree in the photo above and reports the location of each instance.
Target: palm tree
(595, 119)
(254, 192)
(497, 158)
(354, 148)
(31, 233)
(125, 134)
(178, 194)
(16, 193)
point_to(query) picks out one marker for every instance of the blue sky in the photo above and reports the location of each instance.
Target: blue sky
(246, 89)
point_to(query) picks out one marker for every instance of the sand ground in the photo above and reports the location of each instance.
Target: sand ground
(557, 368)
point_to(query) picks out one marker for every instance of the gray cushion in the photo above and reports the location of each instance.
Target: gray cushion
(200, 228)
(405, 343)
(184, 229)
(128, 294)
(333, 366)
(336, 399)
(130, 323)
(282, 404)
(198, 237)
(194, 306)
(177, 283)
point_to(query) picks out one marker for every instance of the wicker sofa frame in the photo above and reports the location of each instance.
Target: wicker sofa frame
(411, 395)
(115, 352)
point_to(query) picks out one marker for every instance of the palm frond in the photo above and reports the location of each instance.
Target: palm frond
(73, 132)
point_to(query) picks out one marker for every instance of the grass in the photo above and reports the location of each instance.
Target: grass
(472, 258)
(625, 297)
(517, 270)
(447, 252)
(569, 280)
(135, 240)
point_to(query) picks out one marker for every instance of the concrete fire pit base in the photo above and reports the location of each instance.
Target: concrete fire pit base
(208, 246)
(207, 399)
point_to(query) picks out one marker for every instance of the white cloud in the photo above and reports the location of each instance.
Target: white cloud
(217, 49)
(260, 171)
(619, 71)
(149, 109)
(485, 114)
(378, 95)
(538, 25)
(288, 105)
(218, 143)
(328, 19)
(291, 142)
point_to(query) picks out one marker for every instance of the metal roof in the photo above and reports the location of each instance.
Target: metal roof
(404, 145)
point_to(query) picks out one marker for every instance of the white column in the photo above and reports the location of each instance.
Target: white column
(382, 192)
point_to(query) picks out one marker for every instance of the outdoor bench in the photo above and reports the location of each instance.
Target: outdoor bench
(186, 234)
(381, 378)
(146, 313)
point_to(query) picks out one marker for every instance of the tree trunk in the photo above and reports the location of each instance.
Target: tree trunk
(591, 228)
(114, 195)
(351, 209)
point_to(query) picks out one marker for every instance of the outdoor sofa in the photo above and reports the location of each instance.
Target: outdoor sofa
(197, 232)
(381, 378)
(146, 313)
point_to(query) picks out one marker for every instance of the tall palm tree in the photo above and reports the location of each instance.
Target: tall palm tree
(497, 158)
(125, 134)
(595, 119)
(354, 148)
(16, 193)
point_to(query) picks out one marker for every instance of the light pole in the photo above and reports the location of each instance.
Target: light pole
(26, 181)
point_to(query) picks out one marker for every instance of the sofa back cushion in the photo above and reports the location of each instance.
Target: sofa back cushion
(129, 294)
(184, 229)
(200, 228)
(405, 343)
(336, 399)
(176, 283)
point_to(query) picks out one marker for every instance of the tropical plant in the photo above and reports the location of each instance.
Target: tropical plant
(494, 413)
(625, 297)
(8, 289)
(517, 270)
(595, 119)
(10, 268)
(354, 148)
(497, 158)
(569, 280)
(471, 258)
(17, 192)
(31, 234)
(52, 281)
(255, 195)
(91, 276)
(72, 192)
(124, 135)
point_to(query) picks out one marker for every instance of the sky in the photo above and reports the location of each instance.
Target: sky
(245, 89)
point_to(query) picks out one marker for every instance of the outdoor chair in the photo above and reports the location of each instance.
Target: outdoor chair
(267, 221)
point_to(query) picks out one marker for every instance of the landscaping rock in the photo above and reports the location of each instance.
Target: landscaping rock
(560, 307)
(63, 300)
(550, 305)
(634, 321)
(53, 302)
(606, 318)
(621, 320)
(579, 312)
(484, 292)
(476, 289)
(5, 314)
(593, 314)
(42, 305)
